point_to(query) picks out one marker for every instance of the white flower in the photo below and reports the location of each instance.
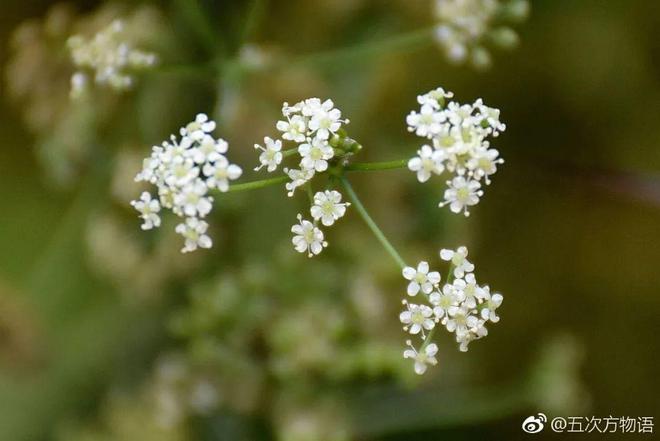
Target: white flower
(490, 116)
(465, 27)
(148, 209)
(458, 260)
(294, 128)
(457, 319)
(307, 238)
(491, 304)
(471, 294)
(271, 155)
(483, 163)
(109, 56)
(443, 301)
(434, 98)
(427, 163)
(198, 128)
(209, 150)
(460, 146)
(420, 278)
(191, 201)
(79, 85)
(426, 356)
(298, 178)
(461, 194)
(325, 119)
(220, 173)
(427, 122)
(315, 155)
(184, 171)
(328, 207)
(417, 318)
(194, 232)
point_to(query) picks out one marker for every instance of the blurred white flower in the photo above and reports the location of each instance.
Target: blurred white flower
(148, 209)
(423, 358)
(193, 231)
(465, 27)
(109, 56)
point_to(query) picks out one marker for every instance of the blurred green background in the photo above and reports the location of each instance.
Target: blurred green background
(108, 333)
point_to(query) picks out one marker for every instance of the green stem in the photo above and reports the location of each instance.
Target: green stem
(253, 185)
(181, 69)
(370, 223)
(199, 22)
(371, 166)
(361, 51)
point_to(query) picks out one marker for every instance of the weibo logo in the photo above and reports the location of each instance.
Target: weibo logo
(534, 424)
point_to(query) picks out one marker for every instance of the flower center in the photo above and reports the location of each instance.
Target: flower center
(417, 317)
(463, 194)
(328, 207)
(316, 154)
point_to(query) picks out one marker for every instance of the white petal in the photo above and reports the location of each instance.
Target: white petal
(409, 272)
(413, 288)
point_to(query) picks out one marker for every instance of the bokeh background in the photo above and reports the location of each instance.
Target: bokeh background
(108, 333)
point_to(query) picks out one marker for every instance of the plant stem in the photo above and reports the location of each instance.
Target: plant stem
(371, 166)
(253, 185)
(198, 21)
(181, 69)
(360, 51)
(370, 223)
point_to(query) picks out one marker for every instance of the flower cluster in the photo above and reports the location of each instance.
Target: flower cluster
(466, 26)
(326, 207)
(458, 135)
(108, 56)
(461, 306)
(185, 171)
(312, 125)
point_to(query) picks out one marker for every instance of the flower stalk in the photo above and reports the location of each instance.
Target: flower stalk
(370, 223)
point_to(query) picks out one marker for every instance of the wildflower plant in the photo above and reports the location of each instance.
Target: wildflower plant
(314, 149)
